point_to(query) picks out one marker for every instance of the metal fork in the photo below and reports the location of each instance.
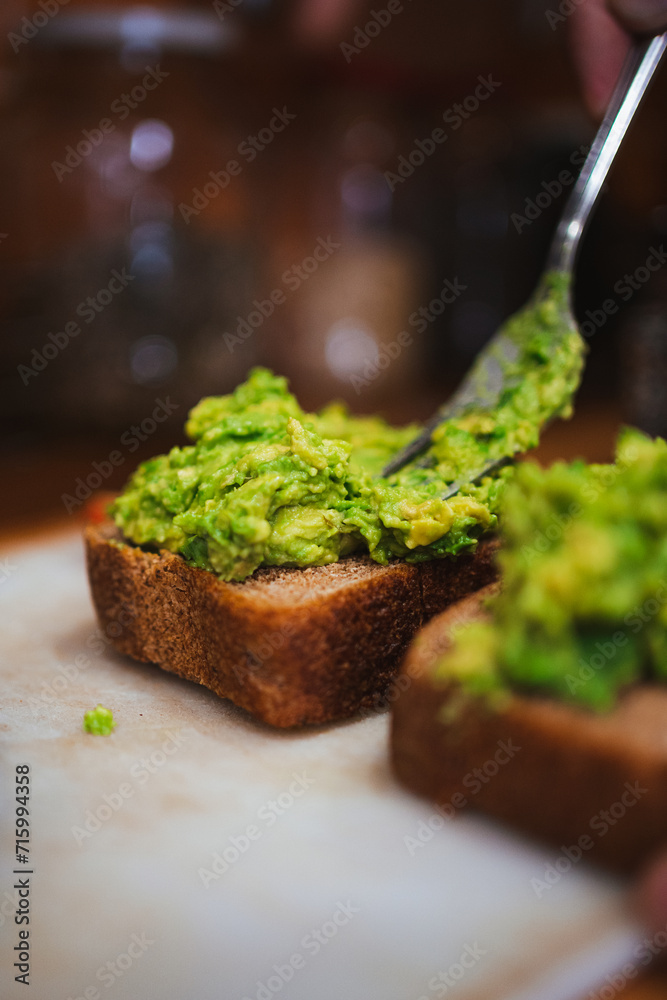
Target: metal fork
(483, 385)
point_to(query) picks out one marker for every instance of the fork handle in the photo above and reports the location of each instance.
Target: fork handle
(638, 69)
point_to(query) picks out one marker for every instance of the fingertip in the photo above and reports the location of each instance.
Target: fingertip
(640, 16)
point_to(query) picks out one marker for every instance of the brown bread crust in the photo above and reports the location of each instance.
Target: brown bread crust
(593, 784)
(292, 646)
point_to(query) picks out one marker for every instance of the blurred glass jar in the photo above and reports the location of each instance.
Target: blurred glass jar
(129, 252)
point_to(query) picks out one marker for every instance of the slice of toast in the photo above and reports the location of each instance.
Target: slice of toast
(594, 786)
(292, 646)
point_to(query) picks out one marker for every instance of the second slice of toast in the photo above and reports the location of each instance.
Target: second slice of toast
(592, 785)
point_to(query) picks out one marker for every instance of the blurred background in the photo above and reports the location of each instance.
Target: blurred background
(187, 189)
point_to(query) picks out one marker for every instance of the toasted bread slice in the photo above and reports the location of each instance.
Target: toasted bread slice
(292, 646)
(594, 786)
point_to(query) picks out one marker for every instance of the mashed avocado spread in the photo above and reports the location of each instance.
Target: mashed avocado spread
(265, 484)
(583, 609)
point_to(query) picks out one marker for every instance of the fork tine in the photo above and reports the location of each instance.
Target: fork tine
(411, 450)
(498, 463)
(482, 385)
